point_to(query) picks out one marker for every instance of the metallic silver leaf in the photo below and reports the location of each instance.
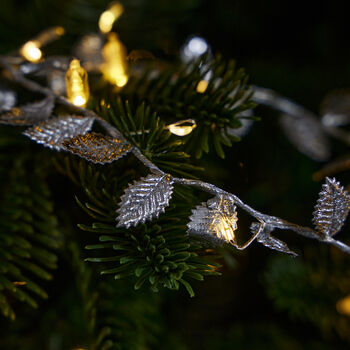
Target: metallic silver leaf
(215, 220)
(8, 99)
(332, 208)
(29, 114)
(269, 241)
(145, 199)
(307, 135)
(53, 132)
(97, 148)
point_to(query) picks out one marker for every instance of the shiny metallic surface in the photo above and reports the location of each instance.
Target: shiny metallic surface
(144, 200)
(53, 132)
(97, 148)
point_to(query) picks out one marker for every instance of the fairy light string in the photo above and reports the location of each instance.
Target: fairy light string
(77, 97)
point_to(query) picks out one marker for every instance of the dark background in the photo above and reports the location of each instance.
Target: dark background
(298, 48)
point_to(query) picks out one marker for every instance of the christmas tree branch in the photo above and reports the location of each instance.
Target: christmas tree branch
(266, 224)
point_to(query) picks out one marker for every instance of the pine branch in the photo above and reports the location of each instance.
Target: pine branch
(112, 313)
(28, 236)
(159, 254)
(174, 94)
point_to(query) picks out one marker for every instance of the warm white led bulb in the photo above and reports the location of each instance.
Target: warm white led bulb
(109, 16)
(31, 52)
(179, 129)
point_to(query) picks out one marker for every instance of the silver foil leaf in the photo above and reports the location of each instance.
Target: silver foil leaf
(215, 220)
(53, 132)
(145, 199)
(29, 114)
(269, 241)
(97, 148)
(8, 99)
(332, 208)
(307, 135)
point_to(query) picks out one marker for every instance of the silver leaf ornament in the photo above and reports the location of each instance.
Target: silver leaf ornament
(53, 132)
(332, 208)
(215, 220)
(29, 114)
(145, 199)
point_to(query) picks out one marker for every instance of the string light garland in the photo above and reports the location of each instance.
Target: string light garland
(215, 219)
(77, 85)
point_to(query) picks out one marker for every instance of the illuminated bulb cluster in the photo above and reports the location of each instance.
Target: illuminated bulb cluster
(109, 16)
(31, 50)
(114, 68)
(77, 85)
(182, 128)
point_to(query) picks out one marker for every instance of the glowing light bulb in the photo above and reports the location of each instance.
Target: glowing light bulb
(31, 51)
(109, 16)
(114, 67)
(77, 85)
(182, 130)
(225, 228)
(79, 101)
(343, 306)
(193, 48)
(202, 86)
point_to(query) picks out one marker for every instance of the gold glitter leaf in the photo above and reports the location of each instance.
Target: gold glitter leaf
(97, 148)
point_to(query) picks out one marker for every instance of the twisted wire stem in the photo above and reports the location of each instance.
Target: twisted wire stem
(262, 96)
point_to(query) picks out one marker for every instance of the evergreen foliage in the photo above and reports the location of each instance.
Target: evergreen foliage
(28, 233)
(157, 253)
(146, 130)
(260, 302)
(173, 94)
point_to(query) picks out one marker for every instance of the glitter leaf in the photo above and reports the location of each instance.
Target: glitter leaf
(53, 132)
(332, 208)
(29, 114)
(97, 148)
(269, 241)
(145, 199)
(215, 220)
